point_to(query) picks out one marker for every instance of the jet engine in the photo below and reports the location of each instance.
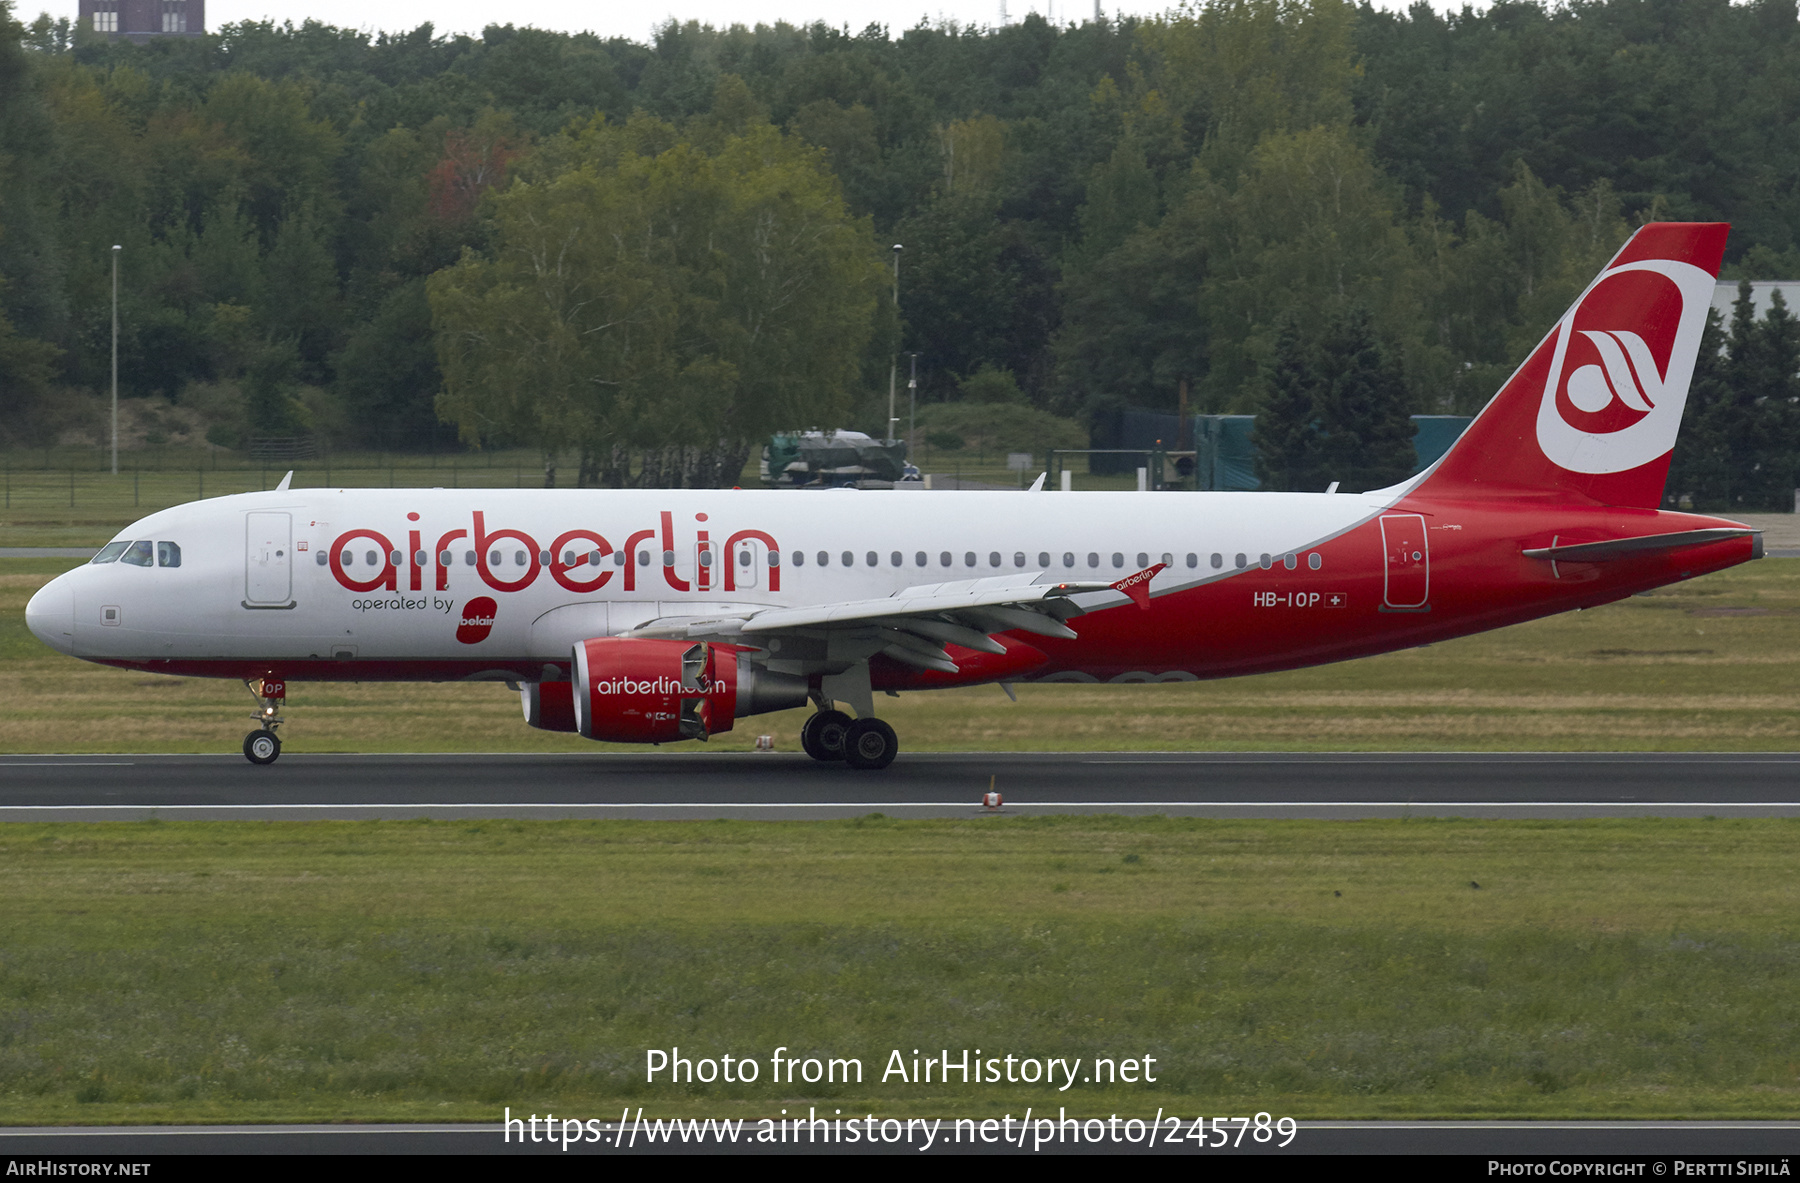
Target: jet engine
(642, 690)
(549, 706)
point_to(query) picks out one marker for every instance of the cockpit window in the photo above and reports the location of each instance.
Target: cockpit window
(138, 554)
(168, 554)
(110, 552)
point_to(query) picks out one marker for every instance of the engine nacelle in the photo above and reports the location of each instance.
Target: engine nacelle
(549, 706)
(643, 690)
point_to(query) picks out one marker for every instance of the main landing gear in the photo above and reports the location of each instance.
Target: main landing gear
(865, 744)
(262, 746)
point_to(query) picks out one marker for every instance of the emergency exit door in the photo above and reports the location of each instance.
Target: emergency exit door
(268, 560)
(1408, 559)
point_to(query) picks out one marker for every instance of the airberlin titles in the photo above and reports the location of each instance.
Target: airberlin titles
(594, 565)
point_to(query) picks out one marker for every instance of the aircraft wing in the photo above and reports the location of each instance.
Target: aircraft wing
(911, 626)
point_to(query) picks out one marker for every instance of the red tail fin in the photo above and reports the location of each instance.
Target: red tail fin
(1594, 411)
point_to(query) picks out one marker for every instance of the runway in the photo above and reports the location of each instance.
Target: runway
(773, 786)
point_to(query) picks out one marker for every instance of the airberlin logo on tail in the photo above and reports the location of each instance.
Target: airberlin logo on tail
(1623, 357)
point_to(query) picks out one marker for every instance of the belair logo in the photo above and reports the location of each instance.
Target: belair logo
(477, 620)
(578, 560)
(1619, 375)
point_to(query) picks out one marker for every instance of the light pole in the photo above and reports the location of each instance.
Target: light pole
(912, 400)
(894, 365)
(115, 363)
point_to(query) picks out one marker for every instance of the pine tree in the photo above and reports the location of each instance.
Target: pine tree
(1287, 428)
(1362, 408)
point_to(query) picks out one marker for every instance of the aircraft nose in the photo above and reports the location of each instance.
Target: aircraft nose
(50, 614)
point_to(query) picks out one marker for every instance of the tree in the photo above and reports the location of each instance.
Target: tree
(1287, 435)
(643, 297)
(1364, 418)
(1336, 411)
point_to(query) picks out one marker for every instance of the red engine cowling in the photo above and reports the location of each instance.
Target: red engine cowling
(549, 706)
(638, 690)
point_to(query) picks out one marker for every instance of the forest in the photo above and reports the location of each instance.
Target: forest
(641, 259)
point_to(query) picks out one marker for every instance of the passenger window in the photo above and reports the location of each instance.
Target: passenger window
(1241, 562)
(419, 557)
(824, 558)
(1289, 561)
(1093, 559)
(944, 559)
(168, 554)
(1193, 559)
(1068, 558)
(775, 558)
(993, 558)
(1264, 562)
(469, 558)
(493, 558)
(394, 557)
(138, 554)
(1314, 561)
(1118, 559)
(1143, 560)
(543, 558)
(1168, 559)
(898, 559)
(445, 558)
(872, 559)
(1218, 560)
(849, 559)
(744, 556)
(325, 558)
(110, 552)
(968, 558)
(643, 558)
(1043, 558)
(919, 559)
(799, 558)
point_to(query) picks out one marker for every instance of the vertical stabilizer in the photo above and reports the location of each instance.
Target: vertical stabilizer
(1593, 413)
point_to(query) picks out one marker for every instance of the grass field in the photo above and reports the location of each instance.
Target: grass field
(300, 971)
(1713, 664)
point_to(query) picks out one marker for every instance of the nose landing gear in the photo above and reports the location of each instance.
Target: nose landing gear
(262, 746)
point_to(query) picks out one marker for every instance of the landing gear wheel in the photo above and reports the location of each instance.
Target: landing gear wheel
(823, 735)
(870, 744)
(261, 747)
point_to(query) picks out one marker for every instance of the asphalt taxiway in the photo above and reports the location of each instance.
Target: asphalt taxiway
(784, 785)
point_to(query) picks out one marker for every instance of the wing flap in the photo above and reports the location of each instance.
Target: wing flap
(928, 600)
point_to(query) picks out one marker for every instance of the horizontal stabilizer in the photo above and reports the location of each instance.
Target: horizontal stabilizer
(1649, 544)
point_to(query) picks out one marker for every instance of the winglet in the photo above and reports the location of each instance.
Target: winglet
(282, 487)
(1037, 486)
(1138, 586)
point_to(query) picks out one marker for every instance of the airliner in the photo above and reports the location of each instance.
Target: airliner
(652, 616)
